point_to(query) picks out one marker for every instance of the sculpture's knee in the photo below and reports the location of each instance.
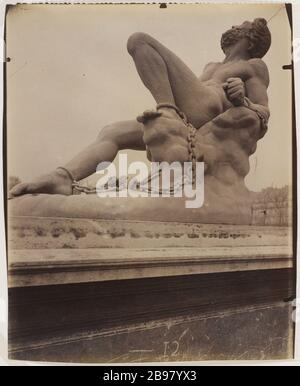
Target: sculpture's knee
(107, 133)
(135, 41)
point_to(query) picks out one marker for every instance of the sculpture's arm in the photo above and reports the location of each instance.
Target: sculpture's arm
(256, 87)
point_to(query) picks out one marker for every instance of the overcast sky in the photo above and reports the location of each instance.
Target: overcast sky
(70, 75)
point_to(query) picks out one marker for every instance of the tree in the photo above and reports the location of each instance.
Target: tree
(275, 202)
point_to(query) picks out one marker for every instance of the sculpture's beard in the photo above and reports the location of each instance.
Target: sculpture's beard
(231, 37)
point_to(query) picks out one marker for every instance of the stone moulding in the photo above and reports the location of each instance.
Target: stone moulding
(49, 267)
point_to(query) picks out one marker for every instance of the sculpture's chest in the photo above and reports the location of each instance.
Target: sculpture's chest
(223, 71)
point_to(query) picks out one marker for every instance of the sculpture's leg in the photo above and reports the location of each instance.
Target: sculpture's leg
(171, 81)
(112, 138)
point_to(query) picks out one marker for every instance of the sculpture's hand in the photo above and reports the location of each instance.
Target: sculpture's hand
(235, 91)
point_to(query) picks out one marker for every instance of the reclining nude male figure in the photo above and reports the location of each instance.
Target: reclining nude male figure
(241, 78)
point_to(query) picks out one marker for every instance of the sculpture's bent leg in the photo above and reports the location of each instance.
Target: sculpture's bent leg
(170, 80)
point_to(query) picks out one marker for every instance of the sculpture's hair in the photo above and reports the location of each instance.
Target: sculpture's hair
(260, 37)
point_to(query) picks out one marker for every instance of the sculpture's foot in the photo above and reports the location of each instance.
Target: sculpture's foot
(148, 115)
(57, 182)
(163, 110)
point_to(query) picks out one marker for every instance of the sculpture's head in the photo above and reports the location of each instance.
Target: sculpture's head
(254, 37)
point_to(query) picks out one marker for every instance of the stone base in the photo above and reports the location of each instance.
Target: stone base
(224, 316)
(214, 211)
(90, 290)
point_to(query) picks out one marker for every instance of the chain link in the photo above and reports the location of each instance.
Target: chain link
(191, 141)
(79, 189)
(191, 148)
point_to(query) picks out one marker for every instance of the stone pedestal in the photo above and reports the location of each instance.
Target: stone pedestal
(184, 292)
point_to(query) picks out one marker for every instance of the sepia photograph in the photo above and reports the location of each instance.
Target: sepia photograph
(150, 160)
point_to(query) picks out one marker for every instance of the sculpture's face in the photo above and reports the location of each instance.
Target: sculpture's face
(235, 35)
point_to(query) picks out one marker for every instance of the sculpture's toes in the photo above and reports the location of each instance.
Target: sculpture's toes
(52, 183)
(20, 189)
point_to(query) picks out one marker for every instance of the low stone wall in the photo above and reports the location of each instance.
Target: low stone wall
(89, 290)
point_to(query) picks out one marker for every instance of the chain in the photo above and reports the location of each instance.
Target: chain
(263, 119)
(191, 149)
(191, 140)
(78, 188)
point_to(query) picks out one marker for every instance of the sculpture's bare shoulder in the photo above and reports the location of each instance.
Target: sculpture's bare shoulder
(260, 70)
